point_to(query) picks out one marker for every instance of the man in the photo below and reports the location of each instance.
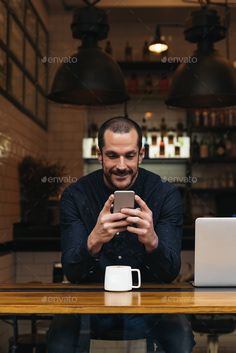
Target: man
(147, 237)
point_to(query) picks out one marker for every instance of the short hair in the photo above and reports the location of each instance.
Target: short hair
(121, 125)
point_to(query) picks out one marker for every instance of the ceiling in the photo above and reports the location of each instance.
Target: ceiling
(161, 11)
(130, 10)
(63, 5)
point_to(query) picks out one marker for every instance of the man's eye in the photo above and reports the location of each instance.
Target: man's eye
(112, 156)
(130, 156)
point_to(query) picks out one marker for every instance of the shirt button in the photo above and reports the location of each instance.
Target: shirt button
(119, 257)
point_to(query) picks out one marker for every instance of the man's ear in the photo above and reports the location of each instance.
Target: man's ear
(99, 155)
(141, 155)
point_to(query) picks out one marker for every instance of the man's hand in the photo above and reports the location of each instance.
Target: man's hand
(142, 219)
(108, 224)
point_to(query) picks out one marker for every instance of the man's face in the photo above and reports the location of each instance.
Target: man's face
(120, 158)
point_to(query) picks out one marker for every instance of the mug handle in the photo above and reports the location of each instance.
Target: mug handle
(139, 277)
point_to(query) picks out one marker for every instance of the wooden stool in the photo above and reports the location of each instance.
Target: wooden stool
(213, 327)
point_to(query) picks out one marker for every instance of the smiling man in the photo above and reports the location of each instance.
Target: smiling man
(149, 238)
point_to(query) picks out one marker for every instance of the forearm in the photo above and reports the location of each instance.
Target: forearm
(152, 244)
(165, 261)
(94, 244)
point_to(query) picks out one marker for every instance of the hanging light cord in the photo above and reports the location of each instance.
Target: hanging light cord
(227, 24)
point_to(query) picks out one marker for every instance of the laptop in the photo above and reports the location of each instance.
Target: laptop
(215, 252)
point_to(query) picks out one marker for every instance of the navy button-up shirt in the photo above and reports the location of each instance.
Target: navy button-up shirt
(81, 204)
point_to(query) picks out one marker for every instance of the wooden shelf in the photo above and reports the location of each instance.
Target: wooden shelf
(208, 129)
(214, 160)
(142, 96)
(147, 66)
(214, 190)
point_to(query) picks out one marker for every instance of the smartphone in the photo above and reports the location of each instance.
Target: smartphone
(123, 199)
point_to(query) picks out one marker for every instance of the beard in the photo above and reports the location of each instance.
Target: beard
(111, 174)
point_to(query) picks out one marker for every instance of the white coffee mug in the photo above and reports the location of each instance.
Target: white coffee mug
(119, 278)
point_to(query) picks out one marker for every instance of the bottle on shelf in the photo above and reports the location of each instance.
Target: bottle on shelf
(108, 48)
(212, 118)
(197, 118)
(205, 118)
(154, 136)
(148, 84)
(145, 52)
(92, 130)
(231, 180)
(180, 128)
(133, 84)
(230, 120)
(163, 127)
(146, 149)
(220, 148)
(170, 136)
(177, 149)
(164, 84)
(212, 147)
(144, 128)
(204, 151)
(222, 119)
(128, 52)
(228, 146)
(162, 147)
(195, 148)
(170, 149)
(94, 148)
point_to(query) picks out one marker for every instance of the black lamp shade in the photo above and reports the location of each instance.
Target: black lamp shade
(91, 77)
(205, 81)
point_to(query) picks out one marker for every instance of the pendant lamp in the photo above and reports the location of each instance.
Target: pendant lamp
(207, 79)
(91, 76)
(158, 45)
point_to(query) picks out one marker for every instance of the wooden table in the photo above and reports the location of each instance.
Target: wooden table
(88, 299)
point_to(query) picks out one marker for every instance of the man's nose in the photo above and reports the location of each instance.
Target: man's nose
(121, 163)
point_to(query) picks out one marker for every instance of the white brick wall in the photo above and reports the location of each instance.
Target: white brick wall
(66, 131)
(19, 137)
